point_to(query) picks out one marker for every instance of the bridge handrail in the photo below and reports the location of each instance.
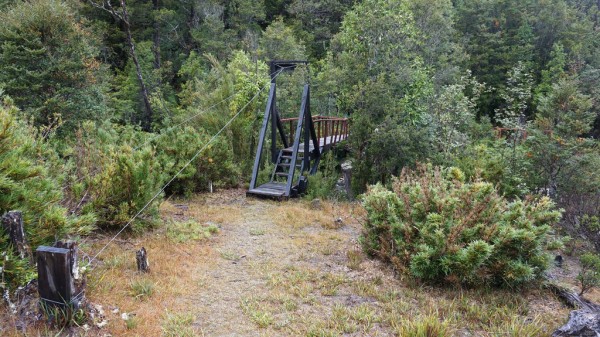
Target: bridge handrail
(325, 126)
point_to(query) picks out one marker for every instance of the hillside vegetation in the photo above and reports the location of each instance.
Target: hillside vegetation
(474, 125)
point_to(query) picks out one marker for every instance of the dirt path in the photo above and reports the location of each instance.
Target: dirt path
(267, 242)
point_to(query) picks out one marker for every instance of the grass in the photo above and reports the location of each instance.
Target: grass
(259, 315)
(427, 326)
(355, 258)
(178, 325)
(141, 288)
(309, 280)
(131, 323)
(229, 255)
(257, 231)
(180, 232)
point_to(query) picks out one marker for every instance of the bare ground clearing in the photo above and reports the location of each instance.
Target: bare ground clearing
(284, 269)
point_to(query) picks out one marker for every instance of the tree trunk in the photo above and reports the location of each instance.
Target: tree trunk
(147, 120)
(156, 36)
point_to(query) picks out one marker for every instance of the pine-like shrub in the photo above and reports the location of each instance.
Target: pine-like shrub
(26, 185)
(436, 227)
(114, 174)
(214, 164)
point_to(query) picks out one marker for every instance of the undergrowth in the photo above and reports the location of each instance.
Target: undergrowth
(437, 227)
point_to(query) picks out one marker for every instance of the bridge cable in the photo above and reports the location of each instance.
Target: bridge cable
(181, 170)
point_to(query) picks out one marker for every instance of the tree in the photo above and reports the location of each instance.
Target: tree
(228, 89)
(498, 36)
(48, 65)
(555, 70)
(440, 50)
(316, 22)
(516, 97)
(279, 43)
(377, 75)
(453, 117)
(557, 146)
(122, 15)
(209, 34)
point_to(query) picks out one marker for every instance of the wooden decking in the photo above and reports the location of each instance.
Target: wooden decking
(324, 143)
(270, 190)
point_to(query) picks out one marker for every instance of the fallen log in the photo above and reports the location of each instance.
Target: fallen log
(584, 322)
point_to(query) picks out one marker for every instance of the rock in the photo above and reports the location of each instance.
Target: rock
(558, 261)
(316, 204)
(582, 323)
(102, 324)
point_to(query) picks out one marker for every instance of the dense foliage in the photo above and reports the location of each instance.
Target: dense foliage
(589, 276)
(437, 227)
(26, 185)
(111, 100)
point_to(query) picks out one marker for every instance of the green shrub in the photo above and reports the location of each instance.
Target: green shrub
(589, 276)
(437, 227)
(26, 185)
(214, 164)
(499, 162)
(111, 178)
(321, 185)
(129, 180)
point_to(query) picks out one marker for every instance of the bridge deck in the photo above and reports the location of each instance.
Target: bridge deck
(270, 190)
(324, 143)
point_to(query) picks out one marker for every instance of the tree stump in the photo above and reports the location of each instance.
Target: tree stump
(72, 247)
(55, 284)
(12, 222)
(141, 258)
(77, 283)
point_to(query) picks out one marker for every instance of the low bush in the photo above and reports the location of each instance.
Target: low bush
(436, 227)
(26, 185)
(322, 185)
(589, 276)
(113, 174)
(214, 164)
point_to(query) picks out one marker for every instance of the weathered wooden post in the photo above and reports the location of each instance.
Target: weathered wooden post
(347, 171)
(12, 223)
(77, 287)
(55, 282)
(141, 258)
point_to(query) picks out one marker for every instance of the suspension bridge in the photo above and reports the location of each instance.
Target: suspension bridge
(296, 144)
